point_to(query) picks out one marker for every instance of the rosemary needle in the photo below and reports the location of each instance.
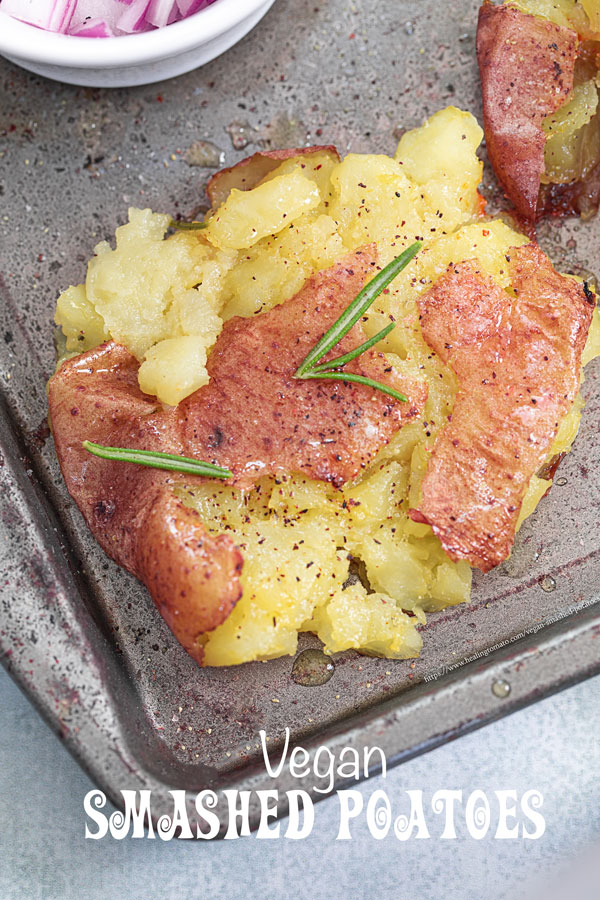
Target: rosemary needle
(187, 226)
(340, 361)
(157, 460)
(358, 379)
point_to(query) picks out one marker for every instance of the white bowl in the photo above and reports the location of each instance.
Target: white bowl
(131, 59)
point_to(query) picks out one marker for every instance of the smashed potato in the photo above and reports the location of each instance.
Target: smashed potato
(347, 562)
(538, 61)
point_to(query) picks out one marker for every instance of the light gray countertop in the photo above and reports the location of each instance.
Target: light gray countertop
(552, 747)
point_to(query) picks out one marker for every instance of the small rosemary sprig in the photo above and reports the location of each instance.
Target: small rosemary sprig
(311, 368)
(156, 460)
(179, 225)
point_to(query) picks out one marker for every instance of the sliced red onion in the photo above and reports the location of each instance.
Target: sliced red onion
(93, 28)
(189, 7)
(52, 15)
(159, 12)
(134, 19)
(110, 11)
(175, 15)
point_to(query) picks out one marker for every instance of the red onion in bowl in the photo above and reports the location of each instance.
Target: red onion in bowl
(51, 15)
(92, 28)
(159, 12)
(134, 18)
(101, 18)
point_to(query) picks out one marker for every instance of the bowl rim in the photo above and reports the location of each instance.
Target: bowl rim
(20, 40)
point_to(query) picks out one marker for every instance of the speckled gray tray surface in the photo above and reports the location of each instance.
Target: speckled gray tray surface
(80, 635)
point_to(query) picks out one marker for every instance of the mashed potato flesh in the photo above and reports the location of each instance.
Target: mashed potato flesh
(303, 540)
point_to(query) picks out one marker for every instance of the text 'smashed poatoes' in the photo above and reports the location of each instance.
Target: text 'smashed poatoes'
(444, 814)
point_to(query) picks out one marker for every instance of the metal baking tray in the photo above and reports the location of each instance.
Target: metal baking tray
(80, 636)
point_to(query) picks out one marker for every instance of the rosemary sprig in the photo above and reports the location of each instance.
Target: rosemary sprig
(157, 460)
(179, 225)
(311, 368)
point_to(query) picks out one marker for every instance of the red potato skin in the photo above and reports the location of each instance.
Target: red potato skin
(252, 417)
(192, 576)
(526, 66)
(517, 362)
(249, 172)
(256, 419)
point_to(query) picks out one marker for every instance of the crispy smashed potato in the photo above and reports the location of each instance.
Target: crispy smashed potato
(345, 562)
(539, 76)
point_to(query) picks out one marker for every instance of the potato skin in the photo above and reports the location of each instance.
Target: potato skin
(256, 418)
(192, 575)
(517, 362)
(526, 66)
